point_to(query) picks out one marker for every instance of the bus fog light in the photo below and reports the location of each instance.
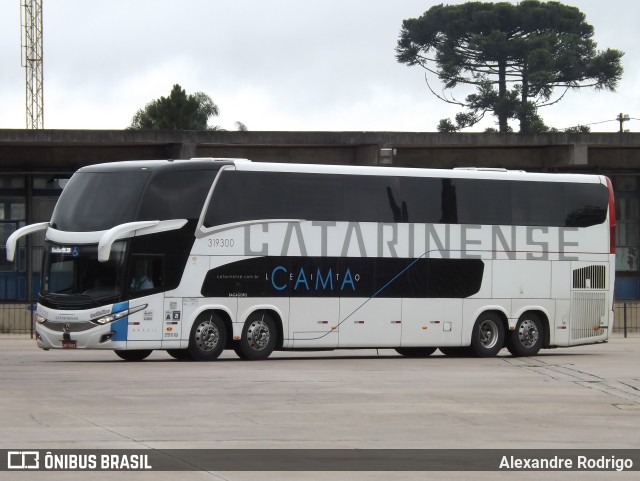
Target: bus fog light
(40, 319)
(106, 337)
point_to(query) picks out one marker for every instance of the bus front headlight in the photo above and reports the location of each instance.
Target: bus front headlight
(117, 315)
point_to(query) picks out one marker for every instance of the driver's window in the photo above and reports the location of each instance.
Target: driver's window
(146, 272)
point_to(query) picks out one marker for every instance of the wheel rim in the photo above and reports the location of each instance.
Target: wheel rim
(488, 334)
(207, 336)
(528, 333)
(258, 335)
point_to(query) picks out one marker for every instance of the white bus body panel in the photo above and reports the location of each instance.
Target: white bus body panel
(315, 323)
(519, 279)
(431, 322)
(370, 322)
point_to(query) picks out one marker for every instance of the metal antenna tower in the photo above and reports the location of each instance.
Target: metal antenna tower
(31, 22)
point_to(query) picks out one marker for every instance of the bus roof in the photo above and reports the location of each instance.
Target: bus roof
(245, 165)
(159, 165)
(470, 173)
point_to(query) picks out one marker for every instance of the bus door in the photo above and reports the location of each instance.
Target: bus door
(146, 324)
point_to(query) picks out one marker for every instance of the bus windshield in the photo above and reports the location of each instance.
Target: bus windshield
(98, 201)
(95, 201)
(73, 272)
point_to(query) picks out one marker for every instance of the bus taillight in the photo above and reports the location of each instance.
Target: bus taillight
(612, 218)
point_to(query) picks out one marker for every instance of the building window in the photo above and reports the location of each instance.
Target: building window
(627, 195)
(12, 216)
(15, 213)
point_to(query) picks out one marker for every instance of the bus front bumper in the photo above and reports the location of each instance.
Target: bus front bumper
(76, 335)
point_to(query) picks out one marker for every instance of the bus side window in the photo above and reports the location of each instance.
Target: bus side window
(146, 272)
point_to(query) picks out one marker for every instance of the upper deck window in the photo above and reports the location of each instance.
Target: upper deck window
(95, 201)
(252, 196)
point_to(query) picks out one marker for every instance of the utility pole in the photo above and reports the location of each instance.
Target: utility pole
(31, 23)
(622, 118)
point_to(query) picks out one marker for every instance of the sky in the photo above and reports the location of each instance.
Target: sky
(274, 65)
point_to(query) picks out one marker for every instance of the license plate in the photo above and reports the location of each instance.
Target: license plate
(68, 344)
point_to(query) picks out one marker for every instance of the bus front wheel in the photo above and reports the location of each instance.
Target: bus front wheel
(180, 354)
(487, 338)
(528, 337)
(208, 337)
(259, 337)
(416, 351)
(133, 355)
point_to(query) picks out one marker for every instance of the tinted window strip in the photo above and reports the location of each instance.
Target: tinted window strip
(251, 196)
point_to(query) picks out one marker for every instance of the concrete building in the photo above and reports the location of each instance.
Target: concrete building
(33, 163)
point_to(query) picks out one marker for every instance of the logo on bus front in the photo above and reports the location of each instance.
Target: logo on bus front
(73, 251)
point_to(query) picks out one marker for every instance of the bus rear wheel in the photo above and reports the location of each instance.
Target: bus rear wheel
(416, 351)
(208, 337)
(133, 355)
(239, 352)
(456, 351)
(487, 338)
(528, 337)
(259, 337)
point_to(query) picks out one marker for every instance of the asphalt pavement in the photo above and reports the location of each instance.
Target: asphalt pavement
(585, 397)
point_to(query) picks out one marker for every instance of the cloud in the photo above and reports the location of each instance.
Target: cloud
(276, 65)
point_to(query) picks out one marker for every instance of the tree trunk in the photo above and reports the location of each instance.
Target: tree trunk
(501, 110)
(524, 114)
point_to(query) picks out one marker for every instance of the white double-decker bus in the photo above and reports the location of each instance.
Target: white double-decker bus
(197, 256)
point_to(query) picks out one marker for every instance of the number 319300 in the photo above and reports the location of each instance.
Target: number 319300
(221, 242)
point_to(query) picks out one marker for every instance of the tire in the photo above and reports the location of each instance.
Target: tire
(416, 351)
(208, 337)
(456, 351)
(133, 355)
(259, 337)
(180, 354)
(528, 337)
(487, 338)
(239, 352)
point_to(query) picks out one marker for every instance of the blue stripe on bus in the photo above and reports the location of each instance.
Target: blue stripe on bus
(121, 326)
